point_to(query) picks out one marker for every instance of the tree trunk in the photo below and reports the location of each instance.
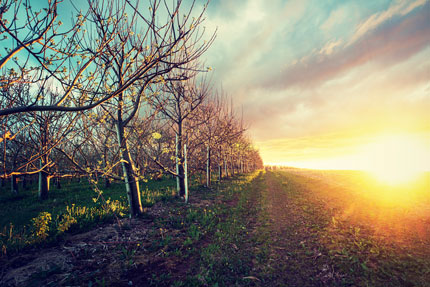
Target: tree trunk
(43, 180)
(58, 181)
(181, 171)
(208, 167)
(219, 172)
(107, 182)
(130, 180)
(181, 179)
(13, 184)
(177, 165)
(24, 182)
(186, 174)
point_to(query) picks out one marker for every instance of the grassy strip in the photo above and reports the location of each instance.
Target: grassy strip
(20, 209)
(75, 207)
(211, 242)
(234, 246)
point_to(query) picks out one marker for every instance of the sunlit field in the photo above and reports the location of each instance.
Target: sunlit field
(397, 213)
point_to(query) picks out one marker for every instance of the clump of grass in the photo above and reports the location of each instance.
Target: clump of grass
(45, 229)
(149, 197)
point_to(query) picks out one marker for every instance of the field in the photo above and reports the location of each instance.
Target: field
(289, 227)
(344, 228)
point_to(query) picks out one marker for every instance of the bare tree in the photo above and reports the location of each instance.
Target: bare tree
(177, 102)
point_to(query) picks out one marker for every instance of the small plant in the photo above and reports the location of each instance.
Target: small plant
(128, 255)
(66, 221)
(41, 226)
(194, 232)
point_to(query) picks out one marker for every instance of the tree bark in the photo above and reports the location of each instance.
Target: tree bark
(43, 180)
(186, 174)
(177, 164)
(181, 178)
(130, 179)
(208, 167)
(181, 171)
(219, 172)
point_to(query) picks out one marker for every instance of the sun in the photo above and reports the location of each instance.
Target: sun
(396, 159)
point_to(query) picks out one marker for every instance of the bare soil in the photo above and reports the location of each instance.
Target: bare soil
(296, 257)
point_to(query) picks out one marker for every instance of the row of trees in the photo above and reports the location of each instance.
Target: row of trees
(116, 94)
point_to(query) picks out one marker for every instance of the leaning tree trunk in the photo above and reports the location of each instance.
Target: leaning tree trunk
(130, 179)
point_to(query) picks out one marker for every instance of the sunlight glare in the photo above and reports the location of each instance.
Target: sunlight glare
(396, 159)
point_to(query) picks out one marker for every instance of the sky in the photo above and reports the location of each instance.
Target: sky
(321, 81)
(325, 84)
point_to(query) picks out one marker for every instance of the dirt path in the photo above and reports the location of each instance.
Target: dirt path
(296, 257)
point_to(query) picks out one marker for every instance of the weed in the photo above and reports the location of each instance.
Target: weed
(41, 226)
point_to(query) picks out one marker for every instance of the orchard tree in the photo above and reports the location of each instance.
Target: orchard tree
(177, 102)
(142, 52)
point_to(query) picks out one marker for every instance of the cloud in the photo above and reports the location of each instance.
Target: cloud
(390, 43)
(245, 43)
(399, 8)
(298, 75)
(336, 17)
(371, 97)
(330, 47)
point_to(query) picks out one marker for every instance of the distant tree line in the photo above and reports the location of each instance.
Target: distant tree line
(116, 94)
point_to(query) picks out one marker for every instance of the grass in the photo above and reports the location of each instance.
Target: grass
(212, 239)
(26, 220)
(20, 209)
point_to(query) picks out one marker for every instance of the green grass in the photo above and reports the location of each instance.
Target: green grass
(25, 220)
(20, 209)
(214, 241)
